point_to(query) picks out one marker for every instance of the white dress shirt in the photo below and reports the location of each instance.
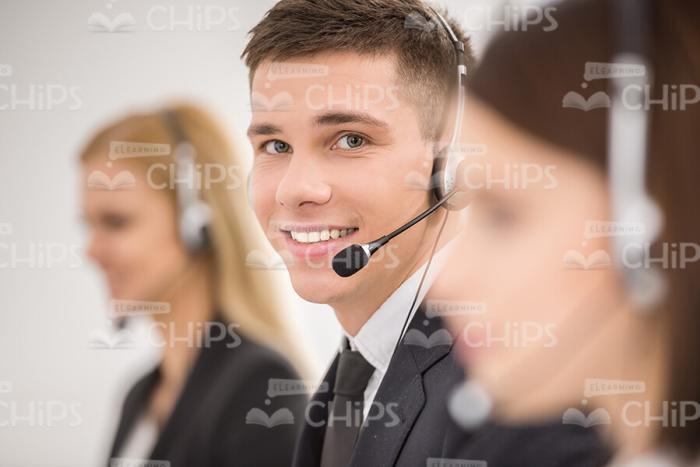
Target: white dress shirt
(141, 439)
(378, 336)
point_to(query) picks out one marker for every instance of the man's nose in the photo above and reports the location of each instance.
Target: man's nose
(303, 184)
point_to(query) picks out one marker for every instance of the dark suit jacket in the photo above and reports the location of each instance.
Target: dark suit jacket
(417, 426)
(208, 424)
(546, 444)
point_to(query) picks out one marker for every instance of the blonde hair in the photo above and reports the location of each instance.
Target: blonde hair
(245, 296)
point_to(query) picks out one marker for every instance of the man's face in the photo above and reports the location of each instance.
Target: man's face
(338, 151)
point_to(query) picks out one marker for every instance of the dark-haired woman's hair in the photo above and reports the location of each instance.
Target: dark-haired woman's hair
(524, 77)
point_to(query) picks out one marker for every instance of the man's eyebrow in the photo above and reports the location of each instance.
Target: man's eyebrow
(329, 118)
(263, 129)
(338, 118)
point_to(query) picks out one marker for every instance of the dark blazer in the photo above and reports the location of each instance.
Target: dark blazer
(545, 444)
(208, 425)
(417, 426)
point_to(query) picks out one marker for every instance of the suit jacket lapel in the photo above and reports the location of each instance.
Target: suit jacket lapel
(401, 396)
(205, 368)
(134, 405)
(310, 443)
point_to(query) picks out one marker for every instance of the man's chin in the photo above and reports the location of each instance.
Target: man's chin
(319, 286)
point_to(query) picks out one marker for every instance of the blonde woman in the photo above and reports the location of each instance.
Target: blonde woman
(165, 205)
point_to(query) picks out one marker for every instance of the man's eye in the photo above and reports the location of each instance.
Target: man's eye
(351, 141)
(276, 147)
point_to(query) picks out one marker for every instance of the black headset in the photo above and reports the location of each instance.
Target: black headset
(443, 179)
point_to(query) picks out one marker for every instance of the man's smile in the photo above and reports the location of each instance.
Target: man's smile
(317, 233)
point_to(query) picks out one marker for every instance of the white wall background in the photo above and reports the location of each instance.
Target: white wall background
(47, 313)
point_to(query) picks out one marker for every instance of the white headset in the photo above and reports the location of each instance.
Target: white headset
(194, 215)
(446, 161)
(631, 204)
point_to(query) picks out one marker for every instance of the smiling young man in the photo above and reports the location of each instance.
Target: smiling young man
(349, 99)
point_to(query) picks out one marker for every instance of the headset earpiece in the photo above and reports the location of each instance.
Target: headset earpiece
(194, 227)
(445, 179)
(194, 215)
(445, 173)
(627, 162)
(436, 177)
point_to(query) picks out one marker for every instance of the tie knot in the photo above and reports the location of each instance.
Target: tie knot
(352, 375)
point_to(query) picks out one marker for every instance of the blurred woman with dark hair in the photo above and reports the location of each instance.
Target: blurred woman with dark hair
(590, 278)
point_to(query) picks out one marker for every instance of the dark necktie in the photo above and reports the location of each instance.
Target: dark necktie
(345, 414)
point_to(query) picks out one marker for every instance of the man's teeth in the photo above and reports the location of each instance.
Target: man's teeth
(320, 235)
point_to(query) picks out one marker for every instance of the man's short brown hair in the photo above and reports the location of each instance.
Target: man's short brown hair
(407, 29)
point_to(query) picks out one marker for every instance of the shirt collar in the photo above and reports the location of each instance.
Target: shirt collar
(377, 338)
